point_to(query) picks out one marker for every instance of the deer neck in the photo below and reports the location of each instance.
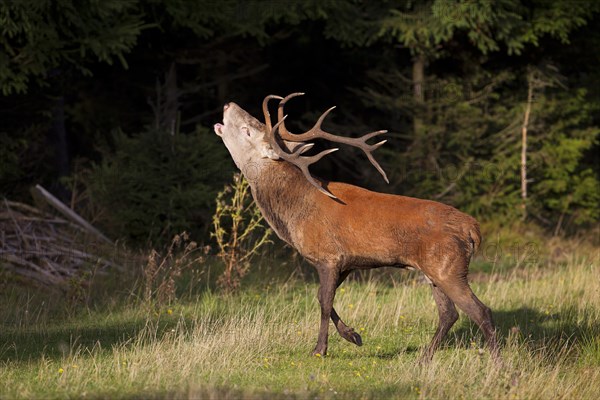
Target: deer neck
(283, 196)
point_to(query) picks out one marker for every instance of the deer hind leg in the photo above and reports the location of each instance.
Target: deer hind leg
(448, 316)
(344, 330)
(459, 291)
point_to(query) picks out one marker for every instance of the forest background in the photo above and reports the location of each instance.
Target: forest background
(110, 104)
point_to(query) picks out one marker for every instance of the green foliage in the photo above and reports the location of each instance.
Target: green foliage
(563, 184)
(40, 35)
(156, 184)
(248, 18)
(426, 28)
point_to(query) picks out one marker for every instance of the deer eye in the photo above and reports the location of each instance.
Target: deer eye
(246, 131)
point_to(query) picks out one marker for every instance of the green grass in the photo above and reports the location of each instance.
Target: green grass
(256, 344)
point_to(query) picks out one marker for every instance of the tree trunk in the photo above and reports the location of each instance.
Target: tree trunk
(524, 146)
(418, 78)
(171, 101)
(417, 147)
(58, 140)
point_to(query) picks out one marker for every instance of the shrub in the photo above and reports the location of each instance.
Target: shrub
(155, 184)
(238, 231)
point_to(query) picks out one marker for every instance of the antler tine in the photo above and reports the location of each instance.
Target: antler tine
(295, 158)
(360, 142)
(316, 132)
(265, 108)
(368, 149)
(283, 132)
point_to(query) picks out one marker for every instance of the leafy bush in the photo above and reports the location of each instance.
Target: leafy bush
(156, 185)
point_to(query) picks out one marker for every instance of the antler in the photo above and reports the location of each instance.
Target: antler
(265, 107)
(315, 133)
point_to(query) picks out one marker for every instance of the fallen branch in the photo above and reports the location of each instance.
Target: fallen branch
(67, 212)
(45, 249)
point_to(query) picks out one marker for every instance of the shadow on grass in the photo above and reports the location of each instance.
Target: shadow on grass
(390, 355)
(539, 331)
(223, 393)
(551, 334)
(57, 341)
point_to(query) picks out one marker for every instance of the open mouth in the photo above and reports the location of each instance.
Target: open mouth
(218, 127)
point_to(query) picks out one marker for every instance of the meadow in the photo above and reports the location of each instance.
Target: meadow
(257, 343)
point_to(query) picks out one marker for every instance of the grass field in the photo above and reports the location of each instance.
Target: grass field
(257, 343)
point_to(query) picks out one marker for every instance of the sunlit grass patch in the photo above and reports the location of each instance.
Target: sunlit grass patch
(257, 344)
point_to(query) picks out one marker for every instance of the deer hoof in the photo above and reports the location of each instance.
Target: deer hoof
(319, 352)
(356, 339)
(353, 337)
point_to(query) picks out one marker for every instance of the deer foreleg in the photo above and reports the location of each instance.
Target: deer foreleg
(344, 330)
(328, 278)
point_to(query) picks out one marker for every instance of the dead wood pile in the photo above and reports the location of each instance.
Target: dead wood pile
(46, 249)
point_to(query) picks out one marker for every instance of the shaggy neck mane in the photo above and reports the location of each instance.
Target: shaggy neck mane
(284, 197)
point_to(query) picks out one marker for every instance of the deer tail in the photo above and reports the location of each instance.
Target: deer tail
(475, 236)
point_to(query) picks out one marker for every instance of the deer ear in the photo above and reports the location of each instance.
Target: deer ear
(267, 152)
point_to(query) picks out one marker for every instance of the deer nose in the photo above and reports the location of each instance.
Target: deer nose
(226, 106)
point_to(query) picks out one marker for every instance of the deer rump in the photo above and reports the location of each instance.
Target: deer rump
(340, 228)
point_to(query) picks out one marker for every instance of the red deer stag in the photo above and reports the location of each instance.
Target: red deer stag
(340, 228)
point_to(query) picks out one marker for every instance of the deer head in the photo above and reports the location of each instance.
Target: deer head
(250, 141)
(244, 137)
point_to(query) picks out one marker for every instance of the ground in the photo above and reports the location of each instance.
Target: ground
(257, 343)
